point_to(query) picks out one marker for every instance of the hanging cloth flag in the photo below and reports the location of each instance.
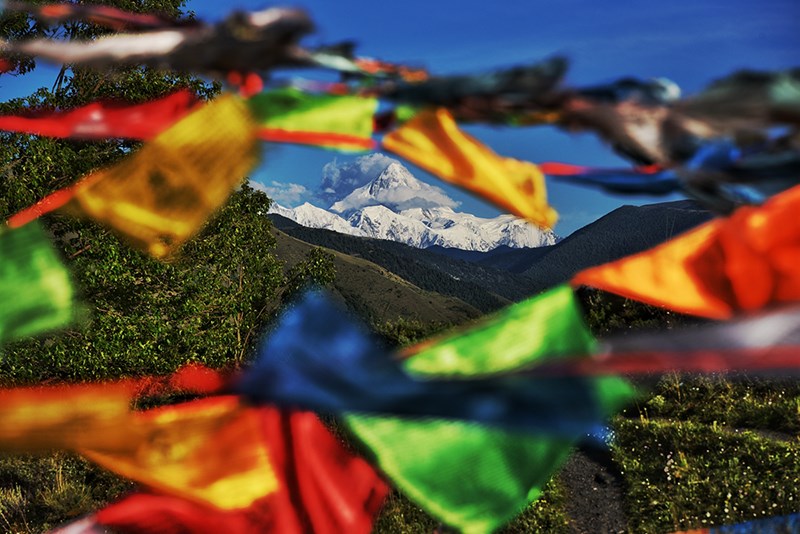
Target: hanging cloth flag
(636, 181)
(209, 450)
(784, 524)
(740, 264)
(35, 288)
(341, 122)
(425, 458)
(318, 358)
(160, 196)
(110, 17)
(433, 141)
(767, 342)
(100, 121)
(546, 326)
(39, 419)
(473, 478)
(322, 488)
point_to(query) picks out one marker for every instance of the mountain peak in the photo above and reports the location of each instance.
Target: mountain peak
(397, 206)
(393, 176)
(397, 189)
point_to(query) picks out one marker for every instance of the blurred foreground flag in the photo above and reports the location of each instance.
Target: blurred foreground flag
(433, 141)
(35, 289)
(319, 358)
(744, 263)
(322, 488)
(160, 196)
(341, 122)
(101, 121)
(473, 477)
(210, 450)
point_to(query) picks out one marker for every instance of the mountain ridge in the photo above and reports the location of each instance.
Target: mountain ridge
(396, 206)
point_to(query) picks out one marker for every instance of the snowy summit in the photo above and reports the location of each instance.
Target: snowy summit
(376, 196)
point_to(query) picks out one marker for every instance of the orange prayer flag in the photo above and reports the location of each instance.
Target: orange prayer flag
(744, 263)
(210, 451)
(159, 197)
(433, 141)
(65, 417)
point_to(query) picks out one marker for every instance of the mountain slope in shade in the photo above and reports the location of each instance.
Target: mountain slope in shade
(625, 231)
(373, 292)
(484, 288)
(396, 206)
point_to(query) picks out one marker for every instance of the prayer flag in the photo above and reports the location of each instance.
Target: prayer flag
(546, 326)
(507, 470)
(35, 288)
(320, 359)
(433, 141)
(322, 488)
(740, 264)
(342, 122)
(762, 343)
(209, 450)
(160, 196)
(101, 121)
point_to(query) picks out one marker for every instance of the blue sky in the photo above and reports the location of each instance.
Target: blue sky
(690, 42)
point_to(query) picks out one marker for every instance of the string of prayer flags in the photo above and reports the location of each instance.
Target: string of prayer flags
(433, 141)
(100, 121)
(243, 42)
(336, 121)
(636, 181)
(425, 459)
(763, 343)
(501, 97)
(35, 288)
(322, 488)
(318, 358)
(160, 196)
(744, 263)
(720, 175)
(784, 524)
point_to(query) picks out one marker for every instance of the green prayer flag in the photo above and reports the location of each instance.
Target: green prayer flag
(472, 477)
(35, 288)
(543, 327)
(293, 110)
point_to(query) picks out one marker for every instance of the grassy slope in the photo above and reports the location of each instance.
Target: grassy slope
(694, 452)
(377, 294)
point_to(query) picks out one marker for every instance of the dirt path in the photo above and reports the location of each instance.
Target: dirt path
(595, 491)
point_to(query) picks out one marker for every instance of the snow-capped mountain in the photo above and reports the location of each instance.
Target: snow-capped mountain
(395, 205)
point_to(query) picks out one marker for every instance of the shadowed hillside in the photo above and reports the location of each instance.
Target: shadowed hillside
(375, 293)
(625, 231)
(484, 288)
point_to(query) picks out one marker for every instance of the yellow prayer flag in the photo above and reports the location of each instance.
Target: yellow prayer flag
(66, 417)
(160, 196)
(433, 141)
(211, 451)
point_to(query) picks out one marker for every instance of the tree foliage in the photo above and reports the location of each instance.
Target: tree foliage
(208, 304)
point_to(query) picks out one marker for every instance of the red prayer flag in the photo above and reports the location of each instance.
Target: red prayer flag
(101, 121)
(322, 488)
